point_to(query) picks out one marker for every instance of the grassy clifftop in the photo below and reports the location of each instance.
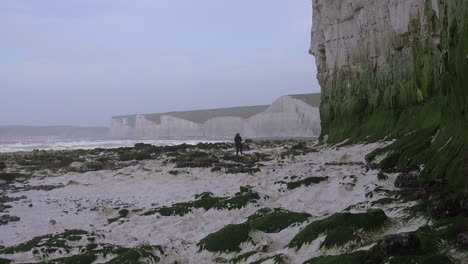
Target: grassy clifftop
(201, 116)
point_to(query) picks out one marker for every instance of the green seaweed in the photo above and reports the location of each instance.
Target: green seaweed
(207, 202)
(296, 150)
(358, 257)
(123, 213)
(54, 241)
(417, 96)
(13, 176)
(76, 259)
(274, 220)
(227, 239)
(340, 228)
(243, 257)
(277, 259)
(5, 261)
(305, 182)
(266, 220)
(143, 253)
(422, 259)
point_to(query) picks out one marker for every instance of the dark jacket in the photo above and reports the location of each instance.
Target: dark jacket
(238, 140)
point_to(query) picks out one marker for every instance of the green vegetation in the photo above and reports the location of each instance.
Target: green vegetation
(76, 259)
(13, 176)
(201, 116)
(359, 257)
(227, 239)
(195, 159)
(137, 255)
(183, 155)
(42, 159)
(382, 176)
(363, 257)
(5, 261)
(53, 242)
(418, 97)
(305, 182)
(417, 247)
(60, 244)
(423, 259)
(122, 214)
(267, 220)
(384, 201)
(243, 257)
(340, 228)
(207, 202)
(274, 220)
(277, 259)
(296, 150)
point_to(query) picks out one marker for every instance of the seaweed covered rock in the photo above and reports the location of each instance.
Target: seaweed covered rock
(442, 207)
(276, 259)
(5, 261)
(414, 247)
(408, 83)
(195, 159)
(400, 244)
(296, 150)
(462, 240)
(227, 239)
(207, 201)
(10, 177)
(363, 257)
(266, 220)
(358, 257)
(407, 181)
(340, 228)
(47, 243)
(5, 219)
(274, 220)
(78, 246)
(140, 254)
(305, 182)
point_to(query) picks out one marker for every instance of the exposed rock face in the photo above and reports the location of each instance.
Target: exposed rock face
(395, 67)
(289, 116)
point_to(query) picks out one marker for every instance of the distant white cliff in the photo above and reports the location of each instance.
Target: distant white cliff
(289, 116)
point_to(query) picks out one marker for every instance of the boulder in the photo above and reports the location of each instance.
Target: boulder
(407, 181)
(462, 240)
(441, 207)
(5, 219)
(400, 244)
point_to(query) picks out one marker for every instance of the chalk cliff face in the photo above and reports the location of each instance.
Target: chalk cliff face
(391, 68)
(288, 116)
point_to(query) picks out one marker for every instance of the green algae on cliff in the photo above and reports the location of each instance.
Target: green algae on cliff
(419, 96)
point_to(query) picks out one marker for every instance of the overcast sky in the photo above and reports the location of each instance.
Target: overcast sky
(78, 62)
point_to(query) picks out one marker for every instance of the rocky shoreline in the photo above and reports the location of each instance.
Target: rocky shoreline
(290, 201)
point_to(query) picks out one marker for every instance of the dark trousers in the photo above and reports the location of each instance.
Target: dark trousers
(238, 148)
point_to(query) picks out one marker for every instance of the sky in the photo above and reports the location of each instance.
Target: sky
(80, 62)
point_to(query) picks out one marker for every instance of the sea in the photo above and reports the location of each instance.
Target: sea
(70, 144)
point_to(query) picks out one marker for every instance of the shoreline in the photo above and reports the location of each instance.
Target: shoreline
(189, 203)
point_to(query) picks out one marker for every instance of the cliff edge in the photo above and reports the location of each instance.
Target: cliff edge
(397, 69)
(291, 116)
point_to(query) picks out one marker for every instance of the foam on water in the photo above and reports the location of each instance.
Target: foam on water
(15, 146)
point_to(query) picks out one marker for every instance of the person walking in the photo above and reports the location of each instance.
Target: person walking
(238, 141)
